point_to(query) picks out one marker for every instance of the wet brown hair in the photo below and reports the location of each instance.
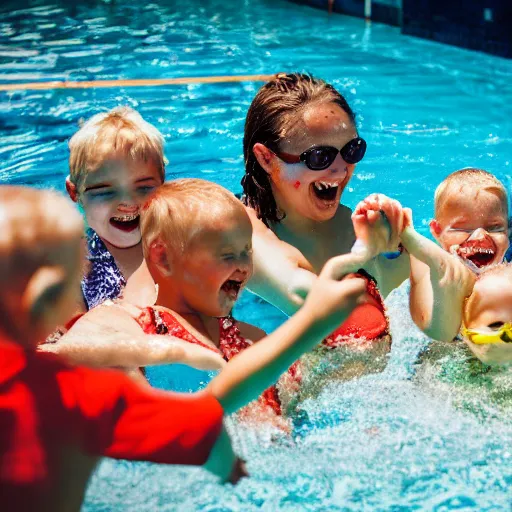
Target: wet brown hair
(274, 105)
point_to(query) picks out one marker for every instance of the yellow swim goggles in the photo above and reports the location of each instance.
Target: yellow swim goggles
(502, 335)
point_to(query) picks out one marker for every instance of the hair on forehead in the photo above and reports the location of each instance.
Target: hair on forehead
(177, 210)
(122, 132)
(35, 225)
(472, 178)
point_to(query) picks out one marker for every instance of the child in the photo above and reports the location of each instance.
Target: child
(471, 222)
(459, 301)
(115, 160)
(197, 241)
(55, 419)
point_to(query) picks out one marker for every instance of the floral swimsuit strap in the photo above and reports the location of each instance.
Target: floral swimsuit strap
(103, 280)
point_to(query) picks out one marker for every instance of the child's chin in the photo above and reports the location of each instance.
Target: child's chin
(125, 242)
(225, 307)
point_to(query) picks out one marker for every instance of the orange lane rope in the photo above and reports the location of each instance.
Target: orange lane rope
(143, 82)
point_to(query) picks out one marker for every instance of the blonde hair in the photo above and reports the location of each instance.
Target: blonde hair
(120, 131)
(178, 209)
(34, 227)
(469, 177)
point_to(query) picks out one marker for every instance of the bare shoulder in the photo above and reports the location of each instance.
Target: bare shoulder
(251, 332)
(258, 225)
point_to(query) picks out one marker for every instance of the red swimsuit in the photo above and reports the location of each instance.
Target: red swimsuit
(154, 321)
(366, 321)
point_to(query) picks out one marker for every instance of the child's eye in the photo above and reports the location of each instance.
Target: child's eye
(496, 229)
(460, 230)
(107, 194)
(229, 256)
(496, 326)
(145, 190)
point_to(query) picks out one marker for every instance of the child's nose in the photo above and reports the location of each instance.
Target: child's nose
(478, 234)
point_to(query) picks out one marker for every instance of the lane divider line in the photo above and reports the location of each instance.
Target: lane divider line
(142, 82)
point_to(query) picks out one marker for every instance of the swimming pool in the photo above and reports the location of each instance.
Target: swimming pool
(385, 442)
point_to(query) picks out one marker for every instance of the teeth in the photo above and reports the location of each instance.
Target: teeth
(324, 185)
(126, 218)
(475, 250)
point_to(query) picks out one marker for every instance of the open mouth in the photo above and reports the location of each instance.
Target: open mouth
(325, 191)
(479, 255)
(125, 222)
(232, 288)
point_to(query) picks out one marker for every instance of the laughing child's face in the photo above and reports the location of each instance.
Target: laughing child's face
(112, 195)
(473, 224)
(217, 264)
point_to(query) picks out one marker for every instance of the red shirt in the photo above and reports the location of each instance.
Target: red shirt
(56, 419)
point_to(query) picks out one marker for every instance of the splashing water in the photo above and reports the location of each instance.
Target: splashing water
(404, 439)
(431, 432)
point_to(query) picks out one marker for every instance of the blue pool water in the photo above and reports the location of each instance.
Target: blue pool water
(408, 439)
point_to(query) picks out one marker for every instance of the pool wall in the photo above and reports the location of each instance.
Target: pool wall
(483, 25)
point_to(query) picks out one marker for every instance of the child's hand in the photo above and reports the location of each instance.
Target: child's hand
(378, 223)
(238, 471)
(223, 461)
(335, 292)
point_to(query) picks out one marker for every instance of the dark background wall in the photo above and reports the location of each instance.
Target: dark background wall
(484, 25)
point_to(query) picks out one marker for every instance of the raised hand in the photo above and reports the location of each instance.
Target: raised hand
(378, 223)
(335, 292)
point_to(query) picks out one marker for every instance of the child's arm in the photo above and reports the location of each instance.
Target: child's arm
(114, 416)
(329, 302)
(439, 285)
(108, 336)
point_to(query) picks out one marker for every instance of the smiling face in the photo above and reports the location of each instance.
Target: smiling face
(217, 264)
(313, 194)
(112, 195)
(473, 223)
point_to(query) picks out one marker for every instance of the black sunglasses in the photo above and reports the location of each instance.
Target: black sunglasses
(319, 158)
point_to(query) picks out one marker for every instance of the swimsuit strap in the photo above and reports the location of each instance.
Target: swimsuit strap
(232, 343)
(154, 321)
(231, 340)
(104, 279)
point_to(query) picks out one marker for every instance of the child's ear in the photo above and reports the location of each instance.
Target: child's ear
(265, 157)
(43, 290)
(435, 228)
(71, 190)
(159, 258)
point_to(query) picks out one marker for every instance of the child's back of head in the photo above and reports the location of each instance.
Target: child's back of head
(40, 257)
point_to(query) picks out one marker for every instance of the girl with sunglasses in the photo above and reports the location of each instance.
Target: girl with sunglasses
(301, 146)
